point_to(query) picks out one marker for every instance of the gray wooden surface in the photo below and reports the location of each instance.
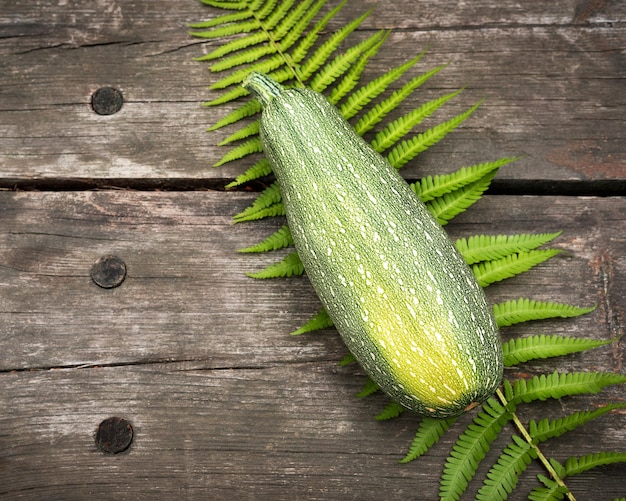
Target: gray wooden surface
(224, 403)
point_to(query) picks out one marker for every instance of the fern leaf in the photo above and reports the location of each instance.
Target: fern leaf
(286, 33)
(229, 29)
(293, 25)
(351, 78)
(224, 4)
(369, 388)
(504, 475)
(428, 433)
(446, 207)
(321, 320)
(225, 19)
(495, 271)
(576, 465)
(280, 239)
(252, 129)
(266, 65)
(300, 52)
(546, 429)
(247, 110)
(470, 449)
(235, 45)
(321, 55)
(551, 492)
(347, 360)
(522, 350)
(397, 129)
(362, 96)
(273, 210)
(289, 266)
(408, 149)
(248, 148)
(260, 169)
(524, 310)
(391, 411)
(378, 112)
(338, 66)
(431, 187)
(268, 197)
(491, 247)
(558, 385)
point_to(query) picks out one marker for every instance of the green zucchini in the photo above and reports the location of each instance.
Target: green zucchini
(402, 298)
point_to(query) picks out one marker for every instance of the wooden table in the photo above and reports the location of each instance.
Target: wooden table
(197, 357)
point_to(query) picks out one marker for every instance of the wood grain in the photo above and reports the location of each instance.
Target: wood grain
(552, 76)
(224, 403)
(198, 357)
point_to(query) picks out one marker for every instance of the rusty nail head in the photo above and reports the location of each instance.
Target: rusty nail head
(107, 101)
(108, 272)
(114, 435)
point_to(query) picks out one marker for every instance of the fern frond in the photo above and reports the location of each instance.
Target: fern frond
(382, 109)
(351, 79)
(225, 19)
(268, 197)
(247, 110)
(369, 388)
(280, 239)
(400, 127)
(428, 433)
(495, 271)
(576, 465)
(252, 129)
(504, 475)
(300, 52)
(235, 45)
(321, 55)
(364, 95)
(408, 149)
(289, 266)
(273, 210)
(551, 492)
(523, 349)
(266, 65)
(339, 65)
(236, 28)
(431, 187)
(391, 411)
(557, 385)
(248, 148)
(546, 428)
(523, 310)
(347, 360)
(285, 34)
(491, 247)
(446, 207)
(321, 320)
(260, 169)
(470, 449)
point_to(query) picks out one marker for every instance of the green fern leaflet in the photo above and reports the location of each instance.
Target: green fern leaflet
(290, 41)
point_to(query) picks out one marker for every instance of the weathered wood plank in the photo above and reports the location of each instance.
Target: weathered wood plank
(283, 432)
(186, 295)
(197, 356)
(552, 74)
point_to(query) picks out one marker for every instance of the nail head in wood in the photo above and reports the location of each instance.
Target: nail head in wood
(114, 435)
(107, 101)
(108, 272)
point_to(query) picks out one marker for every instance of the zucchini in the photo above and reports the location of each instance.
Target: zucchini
(402, 298)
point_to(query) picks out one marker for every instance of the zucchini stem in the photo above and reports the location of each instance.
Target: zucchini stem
(263, 87)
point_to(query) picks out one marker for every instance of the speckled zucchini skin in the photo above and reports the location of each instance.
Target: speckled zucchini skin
(404, 301)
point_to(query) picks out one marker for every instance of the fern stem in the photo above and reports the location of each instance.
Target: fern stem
(524, 432)
(276, 46)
